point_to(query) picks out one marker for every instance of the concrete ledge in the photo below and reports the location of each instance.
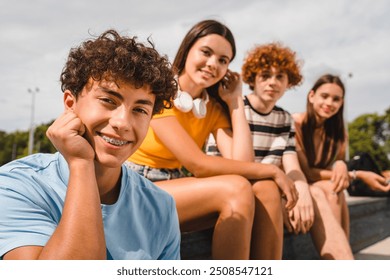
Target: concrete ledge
(370, 223)
(196, 245)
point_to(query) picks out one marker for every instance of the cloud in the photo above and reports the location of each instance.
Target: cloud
(336, 36)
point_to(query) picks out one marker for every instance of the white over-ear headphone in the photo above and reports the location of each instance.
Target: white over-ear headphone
(184, 102)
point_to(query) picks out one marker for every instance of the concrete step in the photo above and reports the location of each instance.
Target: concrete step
(370, 223)
(377, 251)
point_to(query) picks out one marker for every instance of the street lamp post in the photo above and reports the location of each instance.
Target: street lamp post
(32, 128)
(347, 153)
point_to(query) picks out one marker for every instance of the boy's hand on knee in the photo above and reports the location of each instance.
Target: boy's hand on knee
(304, 207)
(287, 186)
(301, 218)
(286, 219)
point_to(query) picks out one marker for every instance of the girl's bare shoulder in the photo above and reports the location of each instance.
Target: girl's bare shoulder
(298, 117)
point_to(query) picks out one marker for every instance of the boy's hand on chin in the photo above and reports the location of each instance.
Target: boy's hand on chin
(66, 134)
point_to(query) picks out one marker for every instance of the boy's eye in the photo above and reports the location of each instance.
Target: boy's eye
(265, 76)
(141, 110)
(108, 101)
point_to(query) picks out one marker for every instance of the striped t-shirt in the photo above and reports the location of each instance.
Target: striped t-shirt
(273, 134)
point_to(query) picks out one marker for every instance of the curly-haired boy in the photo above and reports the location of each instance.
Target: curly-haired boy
(82, 202)
(269, 70)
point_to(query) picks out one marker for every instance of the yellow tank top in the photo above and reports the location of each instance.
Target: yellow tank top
(153, 153)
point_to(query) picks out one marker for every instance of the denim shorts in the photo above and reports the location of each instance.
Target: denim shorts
(155, 174)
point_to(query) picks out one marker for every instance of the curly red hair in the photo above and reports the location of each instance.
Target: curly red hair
(263, 57)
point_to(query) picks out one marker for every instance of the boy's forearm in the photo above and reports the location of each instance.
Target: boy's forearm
(80, 233)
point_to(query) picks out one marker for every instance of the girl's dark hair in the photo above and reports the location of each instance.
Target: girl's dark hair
(114, 57)
(333, 127)
(199, 30)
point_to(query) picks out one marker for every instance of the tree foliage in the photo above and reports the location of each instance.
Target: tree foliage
(371, 133)
(15, 145)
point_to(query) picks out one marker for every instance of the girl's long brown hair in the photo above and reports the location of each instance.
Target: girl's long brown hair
(199, 30)
(333, 127)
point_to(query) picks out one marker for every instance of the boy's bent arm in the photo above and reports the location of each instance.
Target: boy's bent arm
(80, 232)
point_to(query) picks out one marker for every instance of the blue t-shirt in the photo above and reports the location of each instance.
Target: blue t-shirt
(142, 224)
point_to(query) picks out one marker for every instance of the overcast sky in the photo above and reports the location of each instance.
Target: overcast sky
(342, 37)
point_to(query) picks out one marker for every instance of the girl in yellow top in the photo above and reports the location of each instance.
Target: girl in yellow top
(219, 194)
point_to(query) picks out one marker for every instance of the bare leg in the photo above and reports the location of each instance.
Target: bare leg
(327, 234)
(337, 203)
(334, 202)
(345, 222)
(267, 233)
(225, 202)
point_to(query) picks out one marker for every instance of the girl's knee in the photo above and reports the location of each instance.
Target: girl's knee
(326, 189)
(326, 196)
(341, 196)
(316, 192)
(267, 191)
(235, 185)
(238, 195)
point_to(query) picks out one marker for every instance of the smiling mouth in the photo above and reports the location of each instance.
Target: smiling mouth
(208, 74)
(113, 141)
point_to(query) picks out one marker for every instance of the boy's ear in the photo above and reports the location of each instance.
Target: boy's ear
(69, 100)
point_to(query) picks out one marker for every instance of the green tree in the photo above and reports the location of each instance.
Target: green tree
(42, 143)
(15, 145)
(371, 133)
(2, 144)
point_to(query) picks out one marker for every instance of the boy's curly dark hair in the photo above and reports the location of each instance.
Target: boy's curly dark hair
(263, 57)
(114, 57)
